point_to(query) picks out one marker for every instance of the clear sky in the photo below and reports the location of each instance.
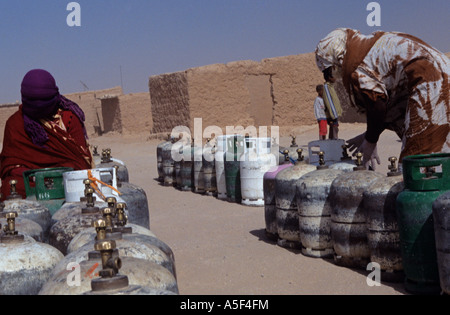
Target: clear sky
(123, 42)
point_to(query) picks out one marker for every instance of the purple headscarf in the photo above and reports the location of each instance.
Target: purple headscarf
(41, 99)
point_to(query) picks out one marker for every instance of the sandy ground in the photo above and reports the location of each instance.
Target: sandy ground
(220, 247)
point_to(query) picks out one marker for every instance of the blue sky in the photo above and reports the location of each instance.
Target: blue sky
(123, 42)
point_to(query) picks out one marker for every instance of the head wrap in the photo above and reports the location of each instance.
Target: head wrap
(40, 100)
(331, 50)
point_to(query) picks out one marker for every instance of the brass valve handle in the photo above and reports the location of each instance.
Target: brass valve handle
(122, 218)
(108, 217)
(392, 167)
(10, 229)
(89, 194)
(321, 158)
(110, 264)
(293, 143)
(286, 155)
(359, 159)
(111, 201)
(300, 155)
(100, 228)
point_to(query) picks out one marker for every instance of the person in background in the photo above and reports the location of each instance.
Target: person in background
(332, 103)
(319, 112)
(399, 81)
(47, 131)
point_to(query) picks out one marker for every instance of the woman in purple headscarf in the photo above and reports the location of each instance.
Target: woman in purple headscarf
(46, 132)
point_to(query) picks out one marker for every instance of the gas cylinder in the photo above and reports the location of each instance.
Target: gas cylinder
(26, 226)
(256, 160)
(235, 148)
(159, 159)
(199, 179)
(314, 210)
(25, 264)
(270, 209)
(103, 181)
(177, 167)
(46, 186)
(220, 167)
(187, 168)
(285, 198)
(108, 161)
(135, 199)
(292, 149)
(100, 272)
(348, 220)
(168, 164)
(209, 168)
(120, 219)
(76, 207)
(62, 232)
(28, 209)
(382, 228)
(129, 244)
(426, 177)
(441, 218)
(346, 163)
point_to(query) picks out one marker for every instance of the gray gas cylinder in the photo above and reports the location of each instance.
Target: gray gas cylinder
(62, 232)
(383, 234)
(128, 243)
(27, 226)
(108, 161)
(120, 224)
(80, 276)
(286, 204)
(346, 163)
(348, 220)
(159, 158)
(270, 210)
(168, 164)
(25, 264)
(76, 207)
(441, 222)
(187, 168)
(209, 168)
(136, 203)
(314, 209)
(199, 178)
(29, 209)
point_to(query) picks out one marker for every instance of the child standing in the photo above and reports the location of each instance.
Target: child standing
(332, 104)
(319, 112)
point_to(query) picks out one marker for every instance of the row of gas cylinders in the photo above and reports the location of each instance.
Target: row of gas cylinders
(339, 210)
(356, 216)
(100, 244)
(230, 168)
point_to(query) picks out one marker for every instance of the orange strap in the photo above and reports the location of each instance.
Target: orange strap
(94, 185)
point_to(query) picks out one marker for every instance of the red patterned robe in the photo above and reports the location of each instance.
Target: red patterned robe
(66, 147)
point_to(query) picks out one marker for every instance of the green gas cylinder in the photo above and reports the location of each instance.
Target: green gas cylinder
(426, 177)
(46, 186)
(235, 148)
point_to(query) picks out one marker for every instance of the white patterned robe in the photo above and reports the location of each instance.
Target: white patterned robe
(400, 81)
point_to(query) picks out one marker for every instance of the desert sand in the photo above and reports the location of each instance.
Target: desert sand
(220, 248)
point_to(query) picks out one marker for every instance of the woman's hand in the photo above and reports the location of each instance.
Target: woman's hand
(355, 143)
(370, 154)
(368, 149)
